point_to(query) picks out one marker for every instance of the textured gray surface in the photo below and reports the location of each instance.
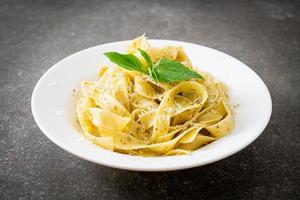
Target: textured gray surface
(36, 34)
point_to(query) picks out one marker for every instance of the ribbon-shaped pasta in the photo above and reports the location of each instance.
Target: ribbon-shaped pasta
(127, 112)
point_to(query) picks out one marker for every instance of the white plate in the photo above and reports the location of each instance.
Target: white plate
(53, 99)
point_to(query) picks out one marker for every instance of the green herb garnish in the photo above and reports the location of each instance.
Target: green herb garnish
(164, 71)
(127, 61)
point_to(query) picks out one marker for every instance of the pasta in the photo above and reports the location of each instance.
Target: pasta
(128, 112)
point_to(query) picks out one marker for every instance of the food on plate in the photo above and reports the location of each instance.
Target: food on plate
(153, 103)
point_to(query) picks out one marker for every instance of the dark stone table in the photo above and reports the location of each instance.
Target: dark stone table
(36, 34)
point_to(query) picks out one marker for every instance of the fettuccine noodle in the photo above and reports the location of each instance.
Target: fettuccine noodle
(127, 112)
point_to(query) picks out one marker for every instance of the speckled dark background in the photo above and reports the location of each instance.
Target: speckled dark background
(36, 34)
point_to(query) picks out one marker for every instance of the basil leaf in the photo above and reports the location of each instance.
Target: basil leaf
(165, 71)
(170, 71)
(146, 57)
(127, 61)
(153, 74)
